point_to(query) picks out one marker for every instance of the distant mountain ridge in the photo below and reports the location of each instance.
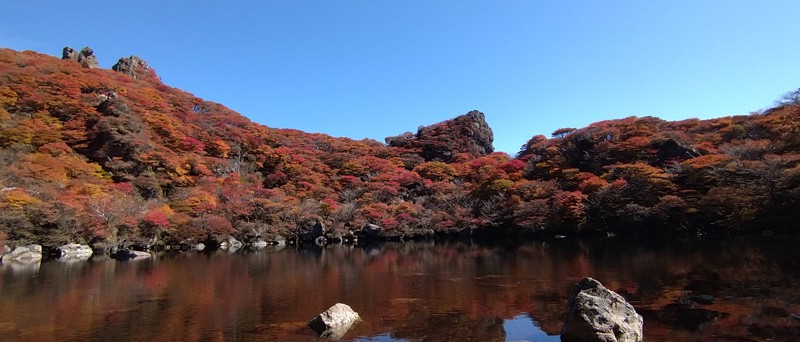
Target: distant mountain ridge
(96, 156)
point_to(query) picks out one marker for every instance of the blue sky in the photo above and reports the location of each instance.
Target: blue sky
(371, 69)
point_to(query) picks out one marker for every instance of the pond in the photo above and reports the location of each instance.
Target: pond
(413, 291)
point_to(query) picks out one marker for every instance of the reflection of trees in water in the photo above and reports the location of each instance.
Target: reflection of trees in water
(434, 290)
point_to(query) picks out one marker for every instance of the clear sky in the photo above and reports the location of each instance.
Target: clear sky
(375, 68)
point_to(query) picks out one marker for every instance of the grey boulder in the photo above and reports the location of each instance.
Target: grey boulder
(76, 251)
(334, 322)
(595, 313)
(29, 253)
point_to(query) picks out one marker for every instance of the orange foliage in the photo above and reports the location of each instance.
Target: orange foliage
(76, 153)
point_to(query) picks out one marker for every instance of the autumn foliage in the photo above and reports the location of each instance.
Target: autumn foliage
(91, 155)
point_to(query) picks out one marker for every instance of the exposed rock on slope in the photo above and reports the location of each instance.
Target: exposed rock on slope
(468, 133)
(85, 57)
(136, 67)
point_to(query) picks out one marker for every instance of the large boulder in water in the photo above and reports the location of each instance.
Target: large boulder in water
(29, 253)
(334, 322)
(595, 313)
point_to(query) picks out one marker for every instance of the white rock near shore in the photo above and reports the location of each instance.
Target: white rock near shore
(76, 251)
(29, 253)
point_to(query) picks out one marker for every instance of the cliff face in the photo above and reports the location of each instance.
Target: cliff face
(467, 134)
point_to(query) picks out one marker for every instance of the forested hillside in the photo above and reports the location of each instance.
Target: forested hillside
(92, 155)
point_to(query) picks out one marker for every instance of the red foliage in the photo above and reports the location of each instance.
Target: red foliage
(74, 156)
(156, 218)
(218, 225)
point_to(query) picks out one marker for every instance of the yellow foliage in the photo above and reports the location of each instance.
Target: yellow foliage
(7, 97)
(353, 168)
(37, 131)
(166, 210)
(198, 201)
(5, 117)
(48, 168)
(92, 190)
(500, 185)
(16, 198)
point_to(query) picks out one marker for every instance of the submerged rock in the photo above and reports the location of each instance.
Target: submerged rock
(334, 322)
(701, 299)
(595, 313)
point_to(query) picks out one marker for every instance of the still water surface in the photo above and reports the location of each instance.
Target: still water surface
(416, 291)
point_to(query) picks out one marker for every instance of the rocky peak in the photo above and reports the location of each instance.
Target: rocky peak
(85, 57)
(136, 67)
(468, 133)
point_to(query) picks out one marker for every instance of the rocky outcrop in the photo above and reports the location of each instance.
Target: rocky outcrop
(671, 149)
(136, 67)
(29, 253)
(595, 313)
(75, 251)
(85, 57)
(334, 322)
(468, 133)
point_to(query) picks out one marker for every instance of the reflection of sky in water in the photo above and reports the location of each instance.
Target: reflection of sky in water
(379, 338)
(520, 328)
(524, 328)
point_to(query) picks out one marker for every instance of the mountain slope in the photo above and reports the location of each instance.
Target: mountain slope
(93, 155)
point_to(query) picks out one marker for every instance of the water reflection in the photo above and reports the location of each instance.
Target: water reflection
(422, 291)
(523, 328)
